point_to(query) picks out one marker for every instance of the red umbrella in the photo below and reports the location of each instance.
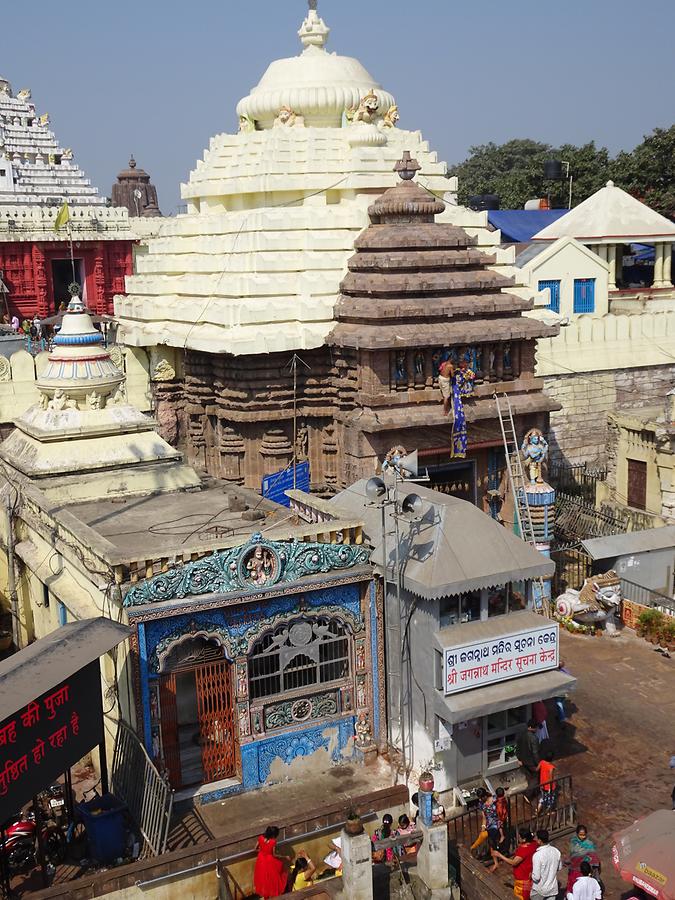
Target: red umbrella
(644, 854)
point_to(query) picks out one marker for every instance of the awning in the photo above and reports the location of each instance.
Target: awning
(631, 542)
(44, 664)
(493, 628)
(505, 695)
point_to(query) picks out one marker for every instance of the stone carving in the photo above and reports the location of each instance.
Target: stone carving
(302, 442)
(163, 371)
(290, 712)
(360, 654)
(366, 111)
(361, 692)
(61, 401)
(4, 88)
(5, 369)
(246, 123)
(229, 570)
(44, 119)
(67, 153)
(597, 601)
(94, 400)
(242, 678)
(287, 118)
(43, 402)
(391, 117)
(364, 736)
(243, 720)
(24, 94)
(535, 452)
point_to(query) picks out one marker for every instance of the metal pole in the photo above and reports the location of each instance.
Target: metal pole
(11, 575)
(40, 843)
(103, 762)
(294, 363)
(72, 254)
(401, 704)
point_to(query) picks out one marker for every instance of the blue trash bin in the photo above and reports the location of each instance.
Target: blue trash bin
(103, 819)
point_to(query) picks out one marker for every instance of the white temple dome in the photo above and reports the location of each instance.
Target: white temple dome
(317, 85)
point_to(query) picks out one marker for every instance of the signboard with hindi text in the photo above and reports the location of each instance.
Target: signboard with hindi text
(49, 735)
(480, 663)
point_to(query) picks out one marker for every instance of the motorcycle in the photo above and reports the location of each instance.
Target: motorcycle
(20, 844)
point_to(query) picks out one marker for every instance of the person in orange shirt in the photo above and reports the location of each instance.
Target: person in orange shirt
(547, 786)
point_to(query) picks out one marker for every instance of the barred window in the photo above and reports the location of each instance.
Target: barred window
(297, 655)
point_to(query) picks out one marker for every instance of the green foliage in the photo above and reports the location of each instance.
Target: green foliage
(515, 171)
(651, 620)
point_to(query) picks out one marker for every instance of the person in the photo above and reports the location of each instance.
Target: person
(522, 864)
(302, 872)
(527, 753)
(582, 849)
(502, 805)
(405, 826)
(490, 827)
(540, 714)
(547, 786)
(446, 374)
(269, 875)
(559, 702)
(381, 834)
(546, 863)
(585, 887)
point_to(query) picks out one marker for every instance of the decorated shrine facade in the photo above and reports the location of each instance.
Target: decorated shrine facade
(258, 664)
(37, 176)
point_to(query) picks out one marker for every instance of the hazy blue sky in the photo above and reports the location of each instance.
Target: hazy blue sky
(159, 77)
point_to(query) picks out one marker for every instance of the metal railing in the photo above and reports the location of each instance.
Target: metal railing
(647, 597)
(576, 480)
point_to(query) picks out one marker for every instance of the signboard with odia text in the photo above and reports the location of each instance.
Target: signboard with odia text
(39, 742)
(480, 663)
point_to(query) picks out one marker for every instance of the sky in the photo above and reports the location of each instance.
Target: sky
(158, 78)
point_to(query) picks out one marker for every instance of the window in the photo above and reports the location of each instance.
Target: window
(503, 729)
(498, 601)
(637, 484)
(45, 595)
(465, 608)
(554, 288)
(308, 652)
(62, 613)
(584, 295)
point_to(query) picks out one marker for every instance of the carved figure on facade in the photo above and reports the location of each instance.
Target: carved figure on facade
(44, 119)
(228, 570)
(119, 398)
(361, 692)
(287, 118)
(163, 371)
(24, 94)
(364, 737)
(246, 124)
(360, 654)
(94, 400)
(419, 365)
(242, 678)
(67, 154)
(302, 442)
(400, 368)
(5, 369)
(243, 720)
(391, 117)
(61, 401)
(4, 87)
(535, 453)
(366, 111)
(597, 601)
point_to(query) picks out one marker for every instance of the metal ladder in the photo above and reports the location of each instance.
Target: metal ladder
(517, 482)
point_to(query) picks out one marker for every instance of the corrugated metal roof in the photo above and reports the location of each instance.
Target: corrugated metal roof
(46, 663)
(494, 627)
(631, 542)
(519, 225)
(455, 547)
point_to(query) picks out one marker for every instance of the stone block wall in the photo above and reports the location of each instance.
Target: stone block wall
(579, 432)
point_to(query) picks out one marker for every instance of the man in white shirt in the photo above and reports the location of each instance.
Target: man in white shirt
(546, 863)
(586, 887)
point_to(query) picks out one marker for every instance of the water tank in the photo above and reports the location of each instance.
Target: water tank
(553, 170)
(484, 201)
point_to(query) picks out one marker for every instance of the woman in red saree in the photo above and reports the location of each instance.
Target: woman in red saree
(269, 875)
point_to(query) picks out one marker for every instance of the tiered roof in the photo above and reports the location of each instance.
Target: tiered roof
(37, 169)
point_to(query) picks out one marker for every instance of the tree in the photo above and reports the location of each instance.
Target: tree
(515, 172)
(648, 172)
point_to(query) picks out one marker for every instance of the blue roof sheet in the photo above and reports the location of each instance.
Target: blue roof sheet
(519, 225)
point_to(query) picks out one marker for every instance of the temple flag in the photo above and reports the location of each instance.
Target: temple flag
(62, 218)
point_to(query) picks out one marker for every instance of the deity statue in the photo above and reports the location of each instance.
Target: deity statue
(362, 728)
(391, 117)
(260, 566)
(119, 398)
(44, 119)
(60, 401)
(67, 153)
(302, 442)
(286, 118)
(465, 377)
(246, 123)
(24, 94)
(535, 452)
(401, 369)
(94, 400)
(366, 111)
(419, 364)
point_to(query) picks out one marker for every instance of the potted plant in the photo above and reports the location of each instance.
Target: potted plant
(651, 620)
(353, 825)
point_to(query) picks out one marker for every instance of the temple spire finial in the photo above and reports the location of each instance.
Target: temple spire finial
(312, 4)
(313, 31)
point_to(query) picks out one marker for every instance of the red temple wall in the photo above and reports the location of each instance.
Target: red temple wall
(27, 272)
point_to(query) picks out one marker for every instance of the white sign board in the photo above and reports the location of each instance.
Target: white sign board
(486, 662)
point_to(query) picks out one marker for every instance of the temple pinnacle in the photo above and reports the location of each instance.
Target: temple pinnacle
(312, 4)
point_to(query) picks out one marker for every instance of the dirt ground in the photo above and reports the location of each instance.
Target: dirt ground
(620, 736)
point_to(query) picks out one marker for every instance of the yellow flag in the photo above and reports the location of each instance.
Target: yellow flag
(62, 217)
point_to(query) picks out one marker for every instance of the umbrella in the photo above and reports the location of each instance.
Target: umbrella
(644, 854)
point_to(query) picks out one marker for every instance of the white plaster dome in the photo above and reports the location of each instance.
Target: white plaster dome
(316, 85)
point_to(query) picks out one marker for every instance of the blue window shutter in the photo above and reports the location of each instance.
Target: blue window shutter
(584, 295)
(554, 287)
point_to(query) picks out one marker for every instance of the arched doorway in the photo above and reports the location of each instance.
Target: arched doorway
(199, 740)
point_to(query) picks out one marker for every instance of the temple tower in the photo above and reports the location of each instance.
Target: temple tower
(135, 192)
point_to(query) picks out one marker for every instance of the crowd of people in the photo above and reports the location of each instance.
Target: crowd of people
(277, 873)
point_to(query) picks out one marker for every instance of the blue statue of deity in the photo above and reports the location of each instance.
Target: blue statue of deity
(401, 370)
(508, 366)
(464, 378)
(535, 452)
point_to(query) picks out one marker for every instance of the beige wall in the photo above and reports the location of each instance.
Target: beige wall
(569, 261)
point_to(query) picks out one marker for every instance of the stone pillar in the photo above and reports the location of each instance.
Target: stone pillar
(432, 857)
(667, 265)
(357, 866)
(658, 266)
(611, 261)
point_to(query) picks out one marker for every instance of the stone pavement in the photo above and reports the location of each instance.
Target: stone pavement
(620, 737)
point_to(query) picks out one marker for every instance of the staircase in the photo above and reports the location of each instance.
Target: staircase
(518, 485)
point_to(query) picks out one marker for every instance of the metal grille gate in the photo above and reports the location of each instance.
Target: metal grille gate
(216, 720)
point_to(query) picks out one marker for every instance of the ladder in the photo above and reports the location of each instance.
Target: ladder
(517, 483)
